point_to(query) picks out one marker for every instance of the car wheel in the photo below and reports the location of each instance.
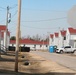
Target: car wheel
(61, 51)
(75, 52)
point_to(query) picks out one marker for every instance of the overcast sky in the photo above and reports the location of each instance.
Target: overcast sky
(38, 16)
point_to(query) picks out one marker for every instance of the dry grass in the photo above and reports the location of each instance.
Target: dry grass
(38, 65)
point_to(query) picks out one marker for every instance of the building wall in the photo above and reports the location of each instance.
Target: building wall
(4, 40)
(67, 37)
(61, 42)
(56, 40)
(70, 39)
(33, 46)
(51, 42)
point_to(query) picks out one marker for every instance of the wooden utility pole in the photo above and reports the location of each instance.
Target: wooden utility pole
(43, 41)
(17, 36)
(0, 43)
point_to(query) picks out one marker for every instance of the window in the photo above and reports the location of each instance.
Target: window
(46, 45)
(24, 45)
(12, 44)
(67, 47)
(34, 46)
(40, 45)
(64, 37)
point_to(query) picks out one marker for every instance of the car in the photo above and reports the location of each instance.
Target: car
(66, 49)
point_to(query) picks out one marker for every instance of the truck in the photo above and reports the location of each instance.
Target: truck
(66, 49)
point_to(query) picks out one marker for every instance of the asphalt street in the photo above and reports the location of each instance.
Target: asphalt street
(62, 59)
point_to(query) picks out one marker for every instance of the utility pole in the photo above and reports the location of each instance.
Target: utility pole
(17, 36)
(48, 34)
(43, 41)
(6, 27)
(0, 43)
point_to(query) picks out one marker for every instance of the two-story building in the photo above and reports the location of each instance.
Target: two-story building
(3, 36)
(71, 37)
(51, 40)
(63, 38)
(56, 39)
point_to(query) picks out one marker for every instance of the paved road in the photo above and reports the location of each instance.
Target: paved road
(62, 59)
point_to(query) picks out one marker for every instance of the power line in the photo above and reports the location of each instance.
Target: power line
(14, 14)
(2, 7)
(39, 27)
(43, 10)
(15, 5)
(46, 20)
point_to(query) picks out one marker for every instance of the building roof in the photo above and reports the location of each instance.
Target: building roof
(2, 27)
(63, 32)
(56, 34)
(28, 41)
(72, 30)
(51, 35)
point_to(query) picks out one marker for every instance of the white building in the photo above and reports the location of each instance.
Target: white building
(34, 45)
(3, 36)
(62, 38)
(51, 40)
(71, 37)
(56, 39)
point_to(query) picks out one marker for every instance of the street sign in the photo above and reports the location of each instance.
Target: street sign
(72, 16)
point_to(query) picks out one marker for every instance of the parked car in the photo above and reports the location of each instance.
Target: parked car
(66, 49)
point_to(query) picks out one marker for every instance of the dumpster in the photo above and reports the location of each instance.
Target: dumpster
(51, 49)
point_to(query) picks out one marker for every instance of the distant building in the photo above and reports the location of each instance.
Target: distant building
(34, 45)
(71, 37)
(56, 39)
(62, 38)
(51, 40)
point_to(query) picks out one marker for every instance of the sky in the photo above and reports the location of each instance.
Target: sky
(37, 16)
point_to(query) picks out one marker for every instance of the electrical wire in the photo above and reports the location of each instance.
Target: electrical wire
(14, 14)
(46, 20)
(39, 27)
(15, 5)
(43, 10)
(2, 7)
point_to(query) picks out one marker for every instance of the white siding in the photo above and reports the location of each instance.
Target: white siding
(56, 40)
(51, 42)
(32, 46)
(60, 40)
